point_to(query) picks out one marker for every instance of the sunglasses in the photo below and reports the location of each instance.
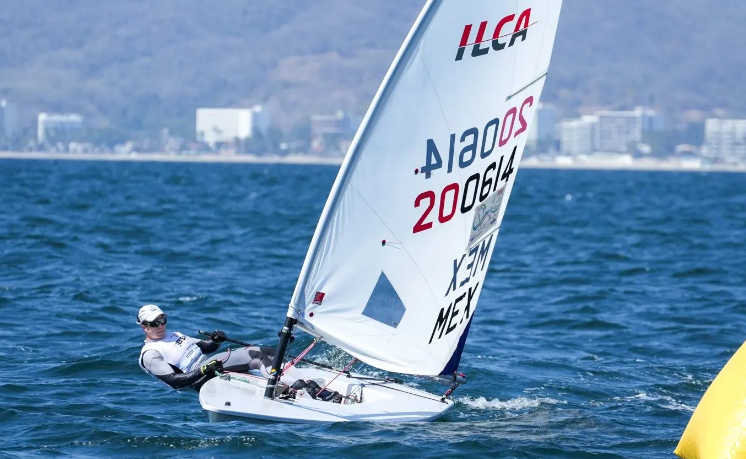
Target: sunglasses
(156, 323)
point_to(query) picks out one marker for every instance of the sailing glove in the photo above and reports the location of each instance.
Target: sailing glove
(218, 336)
(211, 367)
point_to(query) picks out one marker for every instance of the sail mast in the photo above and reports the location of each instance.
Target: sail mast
(285, 334)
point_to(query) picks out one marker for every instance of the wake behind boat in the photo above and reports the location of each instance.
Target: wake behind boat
(398, 260)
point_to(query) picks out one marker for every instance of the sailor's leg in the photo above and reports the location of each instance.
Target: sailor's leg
(291, 375)
(237, 360)
(255, 358)
(262, 360)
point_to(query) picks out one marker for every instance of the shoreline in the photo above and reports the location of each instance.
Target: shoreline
(173, 158)
(643, 165)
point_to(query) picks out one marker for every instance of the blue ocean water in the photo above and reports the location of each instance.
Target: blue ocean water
(612, 301)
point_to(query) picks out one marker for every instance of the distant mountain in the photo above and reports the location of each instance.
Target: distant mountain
(137, 66)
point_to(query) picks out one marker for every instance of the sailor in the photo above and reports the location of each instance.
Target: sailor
(181, 361)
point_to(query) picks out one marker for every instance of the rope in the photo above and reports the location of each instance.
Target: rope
(228, 376)
(291, 363)
(343, 371)
(399, 390)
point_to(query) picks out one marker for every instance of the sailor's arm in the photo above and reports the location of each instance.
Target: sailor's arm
(212, 345)
(208, 346)
(157, 366)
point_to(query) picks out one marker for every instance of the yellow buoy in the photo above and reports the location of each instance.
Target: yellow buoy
(717, 429)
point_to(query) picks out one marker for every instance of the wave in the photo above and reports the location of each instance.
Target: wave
(662, 401)
(515, 404)
(189, 299)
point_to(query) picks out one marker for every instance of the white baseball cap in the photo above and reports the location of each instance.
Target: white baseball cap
(148, 313)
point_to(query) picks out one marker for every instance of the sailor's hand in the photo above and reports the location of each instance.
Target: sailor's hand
(218, 336)
(211, 367)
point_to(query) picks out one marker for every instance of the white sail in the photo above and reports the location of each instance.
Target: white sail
(400, 254)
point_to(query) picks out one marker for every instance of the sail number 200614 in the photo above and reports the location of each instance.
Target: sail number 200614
(479, 185)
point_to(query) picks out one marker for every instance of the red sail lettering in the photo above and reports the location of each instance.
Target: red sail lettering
(465, 36)
(501, 24)
(523, 21)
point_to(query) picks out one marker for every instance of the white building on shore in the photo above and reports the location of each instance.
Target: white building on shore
(53, 127)
(610, 132)
(624, 131)
(577, 136)
(725, 140)
(8, 120)
(226, 125)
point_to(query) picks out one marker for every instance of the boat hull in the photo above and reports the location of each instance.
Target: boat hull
(241, 397)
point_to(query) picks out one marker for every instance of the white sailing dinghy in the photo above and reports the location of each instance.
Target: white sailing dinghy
(399, 256)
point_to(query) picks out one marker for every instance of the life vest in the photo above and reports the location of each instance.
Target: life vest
(179, 351)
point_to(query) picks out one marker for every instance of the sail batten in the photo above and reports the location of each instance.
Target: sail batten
(397, 263)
